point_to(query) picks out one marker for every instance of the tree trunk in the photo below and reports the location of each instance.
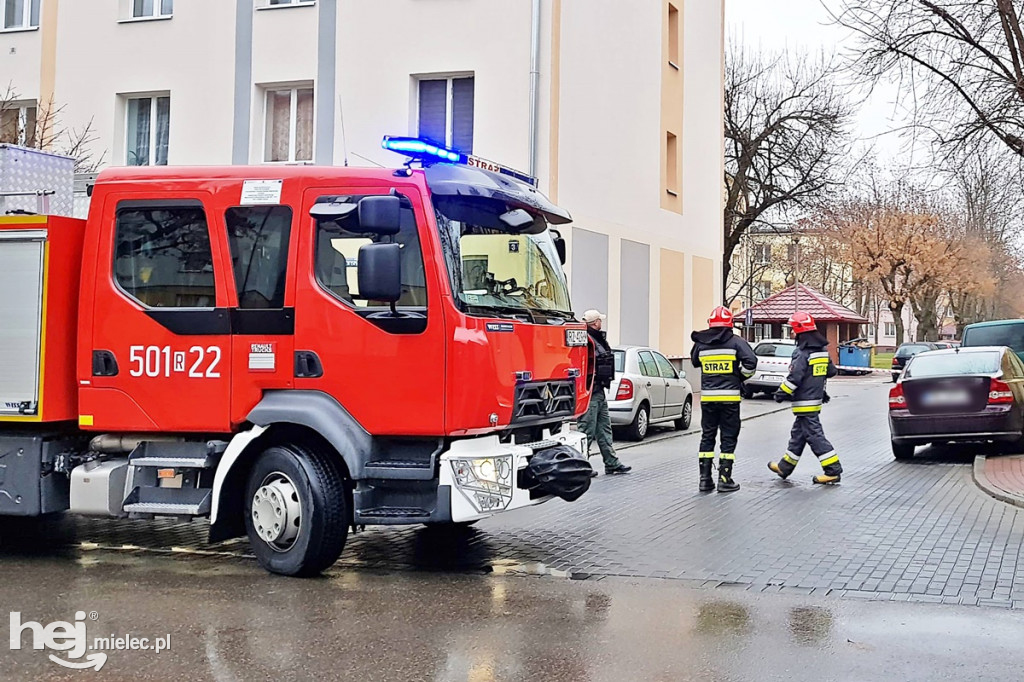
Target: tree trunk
(896, 308)
(925, 307)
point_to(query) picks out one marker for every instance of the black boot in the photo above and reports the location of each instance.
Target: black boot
(707, 483)
(725, 482)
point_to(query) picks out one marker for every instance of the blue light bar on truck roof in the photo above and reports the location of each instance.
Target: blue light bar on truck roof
(421, 149)
(427, 152)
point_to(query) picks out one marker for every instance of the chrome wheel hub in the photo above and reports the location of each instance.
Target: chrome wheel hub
(277, 512)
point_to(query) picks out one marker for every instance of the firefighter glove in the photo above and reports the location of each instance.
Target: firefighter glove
(780, 396)
(825, 397)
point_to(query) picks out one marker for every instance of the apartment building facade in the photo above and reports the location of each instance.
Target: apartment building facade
(615, 107)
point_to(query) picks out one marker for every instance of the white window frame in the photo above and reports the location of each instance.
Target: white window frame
(293, 110)
(152, 97)
(157, 15)
(26, 12)
(890, 326)
(22, 107)
(265, 4)
(449, 113)
(763, 252)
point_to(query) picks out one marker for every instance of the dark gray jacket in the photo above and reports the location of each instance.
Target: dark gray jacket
(810, 368)
(725, 361)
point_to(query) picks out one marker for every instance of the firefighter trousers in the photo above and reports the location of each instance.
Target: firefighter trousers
(715, 418)
(806, 431)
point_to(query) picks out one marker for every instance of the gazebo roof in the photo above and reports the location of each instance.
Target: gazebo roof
(778, 307)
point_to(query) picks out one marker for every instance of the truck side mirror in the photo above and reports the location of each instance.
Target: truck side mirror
(380, 272)
(559, 245)
(380, 215)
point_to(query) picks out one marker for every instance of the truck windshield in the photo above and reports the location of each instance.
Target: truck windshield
(496, 271)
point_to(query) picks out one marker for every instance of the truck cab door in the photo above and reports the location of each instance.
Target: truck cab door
(160, 336)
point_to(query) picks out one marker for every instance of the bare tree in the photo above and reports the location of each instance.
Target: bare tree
(962, 61)
(39, 126)
(785, 138)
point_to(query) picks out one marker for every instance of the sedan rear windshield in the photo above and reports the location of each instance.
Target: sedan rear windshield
(954, 364)
(907, 351)
(775, 350)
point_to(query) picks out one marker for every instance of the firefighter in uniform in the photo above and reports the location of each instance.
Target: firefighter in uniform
(725, 361)
(805, 387)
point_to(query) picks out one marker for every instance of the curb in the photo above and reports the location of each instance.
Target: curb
(981, 480)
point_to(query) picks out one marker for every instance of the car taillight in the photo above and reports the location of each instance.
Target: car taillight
(897, 401)
(895, 362)
(625, 391)
(999, 393)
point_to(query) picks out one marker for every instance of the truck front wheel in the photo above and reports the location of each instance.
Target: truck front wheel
(295, 510)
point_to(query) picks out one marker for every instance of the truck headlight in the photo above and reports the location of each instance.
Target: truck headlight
(486, 481)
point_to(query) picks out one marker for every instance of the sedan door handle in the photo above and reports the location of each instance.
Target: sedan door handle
(648, 384)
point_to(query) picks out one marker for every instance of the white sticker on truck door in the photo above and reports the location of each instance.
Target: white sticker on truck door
(261, 192)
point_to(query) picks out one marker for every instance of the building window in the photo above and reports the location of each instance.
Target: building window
(764, 289)
(147, 127)
(675, 57)
(144, 9)
(289, 136)
(446, 111)
(671, 164)
(18, 123)
(763, 253)
(17, 14)
(162, 256)
(890, 329)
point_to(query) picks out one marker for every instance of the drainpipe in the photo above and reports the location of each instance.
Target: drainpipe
(534, 84)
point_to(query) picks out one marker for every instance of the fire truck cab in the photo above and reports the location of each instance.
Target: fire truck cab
(291, 352)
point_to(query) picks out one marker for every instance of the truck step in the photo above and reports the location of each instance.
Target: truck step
(168, 501)
(170, 455)
(393, 515)
(399, 470)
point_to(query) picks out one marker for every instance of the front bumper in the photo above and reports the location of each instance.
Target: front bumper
(994, 423)
(481, 475)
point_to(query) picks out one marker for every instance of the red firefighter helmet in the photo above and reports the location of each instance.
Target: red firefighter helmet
(802, 322)
(720, 317)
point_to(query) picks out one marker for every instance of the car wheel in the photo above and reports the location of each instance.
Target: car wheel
(684, 421)
(641, 422)
(902, 451)
(296, 510)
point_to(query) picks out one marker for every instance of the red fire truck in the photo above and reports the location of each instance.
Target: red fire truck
(291, 352)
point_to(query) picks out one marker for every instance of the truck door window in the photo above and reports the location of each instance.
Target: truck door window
(162, 256)
(337, 259)
(258, 237)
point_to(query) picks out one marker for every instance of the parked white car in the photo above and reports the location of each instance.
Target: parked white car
(647, 390)
(773, 358)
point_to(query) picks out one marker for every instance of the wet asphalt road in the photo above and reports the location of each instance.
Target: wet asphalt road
(228, 622)
(772, 582)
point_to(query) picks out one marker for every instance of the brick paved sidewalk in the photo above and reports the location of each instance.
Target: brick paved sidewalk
(1001, 477)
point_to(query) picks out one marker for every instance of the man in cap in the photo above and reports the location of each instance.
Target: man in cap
(596, 423)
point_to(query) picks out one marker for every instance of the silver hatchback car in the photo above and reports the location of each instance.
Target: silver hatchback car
(647, 390)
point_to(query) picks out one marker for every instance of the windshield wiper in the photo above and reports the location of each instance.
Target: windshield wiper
(512, 310)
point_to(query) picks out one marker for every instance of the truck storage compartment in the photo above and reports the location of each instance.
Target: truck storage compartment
(29, 486)
(40, 261)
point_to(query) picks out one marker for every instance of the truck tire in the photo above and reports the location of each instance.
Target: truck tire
(296, 510)
(641, 423)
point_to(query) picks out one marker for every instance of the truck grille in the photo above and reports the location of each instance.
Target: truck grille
(543, 400)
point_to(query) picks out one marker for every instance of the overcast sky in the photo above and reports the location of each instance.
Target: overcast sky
(805, 24)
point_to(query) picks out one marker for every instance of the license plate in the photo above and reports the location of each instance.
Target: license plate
(945, 398)
(575, 337)
(772, 377)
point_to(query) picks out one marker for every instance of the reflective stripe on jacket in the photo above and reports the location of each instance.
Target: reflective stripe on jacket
(810, 367)
(725, 361)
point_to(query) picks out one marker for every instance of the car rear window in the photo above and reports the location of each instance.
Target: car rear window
(775, 350)
(907, 351)
(620, 360)
(1010, 334)
(953, 364)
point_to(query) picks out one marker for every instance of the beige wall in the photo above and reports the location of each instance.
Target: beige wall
(20, 56)
(673, 339)
(704, 291)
